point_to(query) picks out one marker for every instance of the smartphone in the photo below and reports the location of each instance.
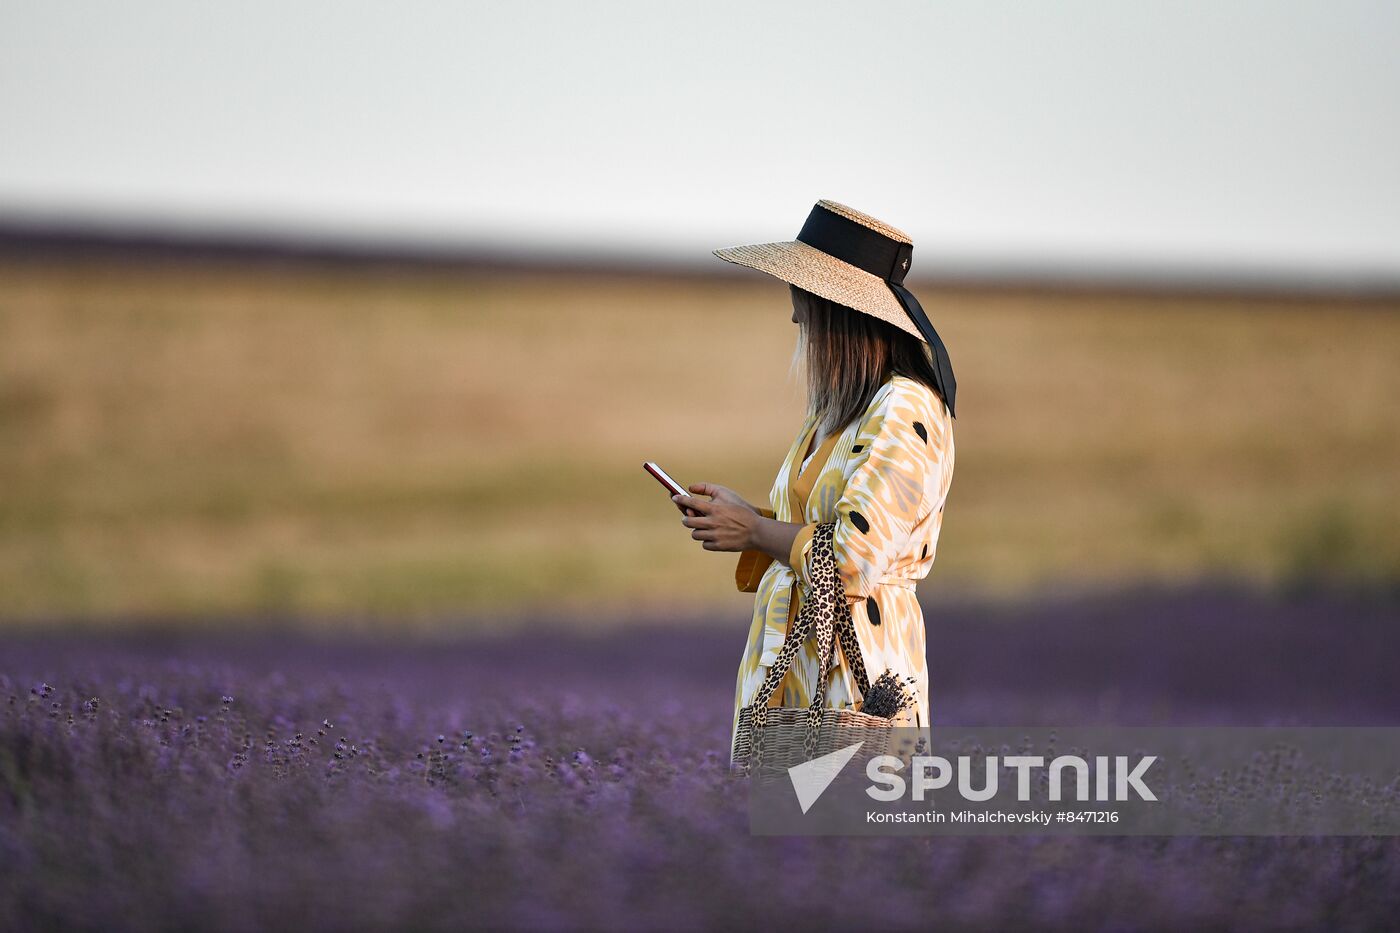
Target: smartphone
(675, 488)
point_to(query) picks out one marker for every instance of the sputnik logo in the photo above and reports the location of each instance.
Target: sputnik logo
(811, 778)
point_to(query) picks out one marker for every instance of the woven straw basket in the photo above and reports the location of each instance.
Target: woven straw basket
(785, 738)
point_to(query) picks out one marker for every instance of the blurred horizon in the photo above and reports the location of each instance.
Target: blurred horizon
(51, 237)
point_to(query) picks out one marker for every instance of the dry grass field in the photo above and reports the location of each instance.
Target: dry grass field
(219, 440)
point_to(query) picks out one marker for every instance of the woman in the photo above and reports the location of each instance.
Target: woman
(874, 454)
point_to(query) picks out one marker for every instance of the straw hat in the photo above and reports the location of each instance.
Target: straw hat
(857, 261)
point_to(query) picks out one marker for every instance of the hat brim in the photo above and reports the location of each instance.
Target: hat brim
(821, 274)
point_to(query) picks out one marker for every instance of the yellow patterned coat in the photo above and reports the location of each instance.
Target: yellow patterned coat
(884, 479)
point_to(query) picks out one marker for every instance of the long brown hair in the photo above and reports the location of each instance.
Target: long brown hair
(849, 355)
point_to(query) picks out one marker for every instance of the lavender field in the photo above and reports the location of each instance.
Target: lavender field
(550, 781)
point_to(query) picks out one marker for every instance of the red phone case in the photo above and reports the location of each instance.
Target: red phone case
(667, 482)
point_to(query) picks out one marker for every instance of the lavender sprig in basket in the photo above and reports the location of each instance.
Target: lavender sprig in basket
(888, 696)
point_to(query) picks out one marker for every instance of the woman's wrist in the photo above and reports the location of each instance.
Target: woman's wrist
(773, 537)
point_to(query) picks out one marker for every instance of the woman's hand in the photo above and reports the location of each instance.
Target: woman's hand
(720, 494)
(723, 523)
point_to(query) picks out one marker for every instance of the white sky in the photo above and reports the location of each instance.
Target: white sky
(1206, 136)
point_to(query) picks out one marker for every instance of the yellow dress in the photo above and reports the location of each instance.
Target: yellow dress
(884, 479)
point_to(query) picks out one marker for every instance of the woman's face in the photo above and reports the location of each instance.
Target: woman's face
(799, 307)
